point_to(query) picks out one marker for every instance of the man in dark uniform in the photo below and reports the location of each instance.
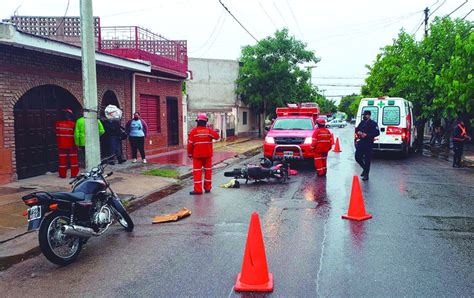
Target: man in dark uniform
(366, 131)
(459, 137)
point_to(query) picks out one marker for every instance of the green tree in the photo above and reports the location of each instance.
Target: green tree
(347, 104)
(326, 105)
(433, 73)
(272, 73)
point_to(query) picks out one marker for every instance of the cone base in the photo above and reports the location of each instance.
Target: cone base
(338, 151)
(242, 287)
(359, 218)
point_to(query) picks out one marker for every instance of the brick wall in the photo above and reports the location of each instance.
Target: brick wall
(158, 142)
(21, 70)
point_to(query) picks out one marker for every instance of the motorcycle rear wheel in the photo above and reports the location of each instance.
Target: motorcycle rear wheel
(57, 247)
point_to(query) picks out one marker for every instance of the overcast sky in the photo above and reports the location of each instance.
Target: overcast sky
(345, 34)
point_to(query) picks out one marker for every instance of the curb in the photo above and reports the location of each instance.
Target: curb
(30, 242)
(30, 239)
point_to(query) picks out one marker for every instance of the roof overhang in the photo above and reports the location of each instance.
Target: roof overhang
(10, 36)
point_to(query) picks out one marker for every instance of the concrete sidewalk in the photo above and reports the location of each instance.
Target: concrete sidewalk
(128, 181)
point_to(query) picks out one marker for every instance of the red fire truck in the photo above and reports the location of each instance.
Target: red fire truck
(290, 135)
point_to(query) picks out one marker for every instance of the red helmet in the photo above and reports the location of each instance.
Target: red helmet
(321, 121)
(201, 117)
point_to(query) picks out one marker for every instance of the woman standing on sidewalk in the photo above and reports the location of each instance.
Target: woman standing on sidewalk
(137, 129)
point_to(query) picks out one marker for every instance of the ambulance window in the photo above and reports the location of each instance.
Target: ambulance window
(391, 116)
(374, 112)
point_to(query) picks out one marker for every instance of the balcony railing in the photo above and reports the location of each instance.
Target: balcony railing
(138, 43)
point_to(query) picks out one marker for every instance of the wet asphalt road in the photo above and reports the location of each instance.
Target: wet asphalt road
(419, 242)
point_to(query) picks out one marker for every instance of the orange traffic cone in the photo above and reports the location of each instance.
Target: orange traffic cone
(356, 206)
(337, 148)
(254, 275)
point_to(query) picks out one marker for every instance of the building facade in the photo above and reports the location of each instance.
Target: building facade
(212, 90)
(40, 76)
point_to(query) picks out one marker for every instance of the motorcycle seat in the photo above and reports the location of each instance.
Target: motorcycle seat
(69, 196)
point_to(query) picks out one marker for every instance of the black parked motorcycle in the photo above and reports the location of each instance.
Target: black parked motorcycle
(266, 170)
(66, 220)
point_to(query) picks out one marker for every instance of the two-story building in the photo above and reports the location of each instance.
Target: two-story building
(40, 74)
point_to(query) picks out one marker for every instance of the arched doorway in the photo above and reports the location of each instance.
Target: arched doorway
(109, 98)
(35, 139)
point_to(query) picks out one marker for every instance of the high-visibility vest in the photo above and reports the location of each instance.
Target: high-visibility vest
(65, 134)
(462, 135)
(322, 140)
(200, 142)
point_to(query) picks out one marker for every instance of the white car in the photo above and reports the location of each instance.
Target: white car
(336, 123)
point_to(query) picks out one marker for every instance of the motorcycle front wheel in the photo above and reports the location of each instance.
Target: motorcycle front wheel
(59, 248)
(122, 216)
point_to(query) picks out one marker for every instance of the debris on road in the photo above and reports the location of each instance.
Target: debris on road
(233, 183)
(184, 212)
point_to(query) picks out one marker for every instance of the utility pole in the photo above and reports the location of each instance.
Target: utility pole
(427, 11)
(89, 83)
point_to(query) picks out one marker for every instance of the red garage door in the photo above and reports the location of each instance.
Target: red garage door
(150, 112)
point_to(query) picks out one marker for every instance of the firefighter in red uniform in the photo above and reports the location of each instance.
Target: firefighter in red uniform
(322, 143)
(200, 150)
(66, 145)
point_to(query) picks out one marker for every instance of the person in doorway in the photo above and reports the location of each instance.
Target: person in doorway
(200, 151)
(459, 138)
(80, 131)
(114, 133)
(322, 144)
(137, 130)
(65, 142)
(366, 131)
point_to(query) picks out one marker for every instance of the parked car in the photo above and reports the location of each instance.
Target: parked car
(336, 123)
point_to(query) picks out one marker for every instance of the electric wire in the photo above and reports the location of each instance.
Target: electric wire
(281, 15)
(62, 20)
(295, 19)
(218, 23)
(268, 16)
(220, 1)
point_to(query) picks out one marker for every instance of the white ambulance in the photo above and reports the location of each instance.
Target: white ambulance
(396, 121)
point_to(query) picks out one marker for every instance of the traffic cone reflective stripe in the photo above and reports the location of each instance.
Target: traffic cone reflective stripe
(356, 205)
(254, 275)
(337, 148)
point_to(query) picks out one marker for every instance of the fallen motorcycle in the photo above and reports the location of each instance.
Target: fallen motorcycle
(66, 220)
(266, 170)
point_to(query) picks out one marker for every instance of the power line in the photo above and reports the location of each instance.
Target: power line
(338, 78)
(283, 18)
(220, 1)
(218, 23)
(268, 16)
(467, 14)
(436, 7)
(338, 85)
(295, 19)
(455, 9)
(62, 21)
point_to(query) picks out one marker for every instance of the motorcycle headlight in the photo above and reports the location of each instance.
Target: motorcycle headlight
(269, 140)
(308, 140)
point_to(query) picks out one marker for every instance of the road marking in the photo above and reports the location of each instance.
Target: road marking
(318, 275)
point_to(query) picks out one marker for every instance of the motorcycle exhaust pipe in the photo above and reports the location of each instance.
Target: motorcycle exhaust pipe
(79, 231)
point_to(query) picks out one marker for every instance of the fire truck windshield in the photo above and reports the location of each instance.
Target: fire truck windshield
(293, 124)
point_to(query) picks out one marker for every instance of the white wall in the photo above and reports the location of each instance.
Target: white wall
(213, 84)
(212, 91)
